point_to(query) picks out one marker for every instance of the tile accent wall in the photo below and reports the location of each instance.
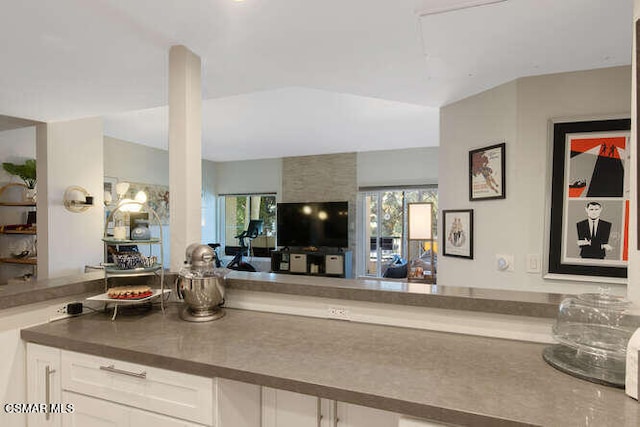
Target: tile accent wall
(325, 178)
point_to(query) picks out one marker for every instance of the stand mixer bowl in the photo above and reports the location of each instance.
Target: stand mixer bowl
(201, 286)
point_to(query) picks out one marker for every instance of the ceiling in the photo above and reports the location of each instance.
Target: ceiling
(292, 77)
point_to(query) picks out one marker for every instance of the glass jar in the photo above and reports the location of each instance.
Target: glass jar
(593, 338)
(593, 323)
(119, 226)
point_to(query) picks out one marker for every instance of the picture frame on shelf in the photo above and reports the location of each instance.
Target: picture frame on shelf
(487, 168)
(589, 200)
(457, 231)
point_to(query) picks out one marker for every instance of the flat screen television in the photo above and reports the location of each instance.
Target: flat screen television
(319, 224)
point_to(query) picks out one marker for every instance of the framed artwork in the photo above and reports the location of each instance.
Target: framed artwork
(589, 227)
(157, 198)
(487, 173)
(457, 230)
(110, 189)
(110, 197)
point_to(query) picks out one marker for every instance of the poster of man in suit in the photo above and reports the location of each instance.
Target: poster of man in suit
(596, 209)
(589, 211)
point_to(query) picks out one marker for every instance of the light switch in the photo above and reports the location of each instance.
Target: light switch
(533, 263)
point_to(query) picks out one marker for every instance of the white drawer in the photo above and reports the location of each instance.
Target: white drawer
(91, 412)
(185, 396)
(298, 263)
(334, 264)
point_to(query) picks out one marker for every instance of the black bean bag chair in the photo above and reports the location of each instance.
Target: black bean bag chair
(397, 268)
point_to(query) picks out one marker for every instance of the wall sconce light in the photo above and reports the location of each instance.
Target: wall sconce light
(77, 199)
(121, 189)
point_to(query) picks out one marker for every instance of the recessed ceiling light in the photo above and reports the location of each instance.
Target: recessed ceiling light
(459, 6)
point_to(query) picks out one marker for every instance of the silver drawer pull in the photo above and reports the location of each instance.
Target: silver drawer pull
(113, 369)
(47, 390)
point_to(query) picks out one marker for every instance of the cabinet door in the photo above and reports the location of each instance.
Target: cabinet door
(238, 404)
(90, 412)
(349, 415)
(282, 408)
(43, 384)
(138, 418)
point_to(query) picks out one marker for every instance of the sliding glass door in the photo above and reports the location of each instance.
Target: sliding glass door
(385, 225)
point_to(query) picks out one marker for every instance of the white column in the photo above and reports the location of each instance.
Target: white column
(185, 141)
(69, 154)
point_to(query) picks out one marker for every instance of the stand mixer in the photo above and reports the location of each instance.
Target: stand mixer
(201, 285)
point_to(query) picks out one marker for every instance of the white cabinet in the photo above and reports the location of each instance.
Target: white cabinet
(349, 415)
(238, 404)
(106, 392)
(288, 409)
(171, 393)
(281, 408)
(43, 385)
(92, 412)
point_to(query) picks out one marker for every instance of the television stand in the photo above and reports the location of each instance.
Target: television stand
(334, 262)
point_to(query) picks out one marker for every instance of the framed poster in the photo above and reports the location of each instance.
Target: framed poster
(589, 227)
(157, 198)
(110, 198)
(457, 229)
(487, 173)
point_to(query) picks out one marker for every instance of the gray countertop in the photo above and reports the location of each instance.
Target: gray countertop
(43, 290)
(453, 378)
(534, 304)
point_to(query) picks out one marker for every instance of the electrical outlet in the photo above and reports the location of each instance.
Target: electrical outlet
(341, 313)
(63, 313)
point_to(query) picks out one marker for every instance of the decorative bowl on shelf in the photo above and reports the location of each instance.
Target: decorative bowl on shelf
(128, 260)
(148, 261)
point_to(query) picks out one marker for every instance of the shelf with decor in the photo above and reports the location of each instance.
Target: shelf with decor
(18, 204)
(25, 261)
(26, 232)
(129, 262)
(18, 240)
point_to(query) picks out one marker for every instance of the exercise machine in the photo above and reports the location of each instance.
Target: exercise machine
(253, 230)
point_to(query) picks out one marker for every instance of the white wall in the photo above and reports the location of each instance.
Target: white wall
(16, 145)
(517, 113)
(411, 166)
(73, 151)
(135, 162)
(249, 176)
(375, 168)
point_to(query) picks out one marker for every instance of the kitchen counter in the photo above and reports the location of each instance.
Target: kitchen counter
(520, 303)
(36, 291)
(452, 378)
(400, 292)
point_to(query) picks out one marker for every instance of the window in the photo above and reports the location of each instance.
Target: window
(385, 226)
(238, 210)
